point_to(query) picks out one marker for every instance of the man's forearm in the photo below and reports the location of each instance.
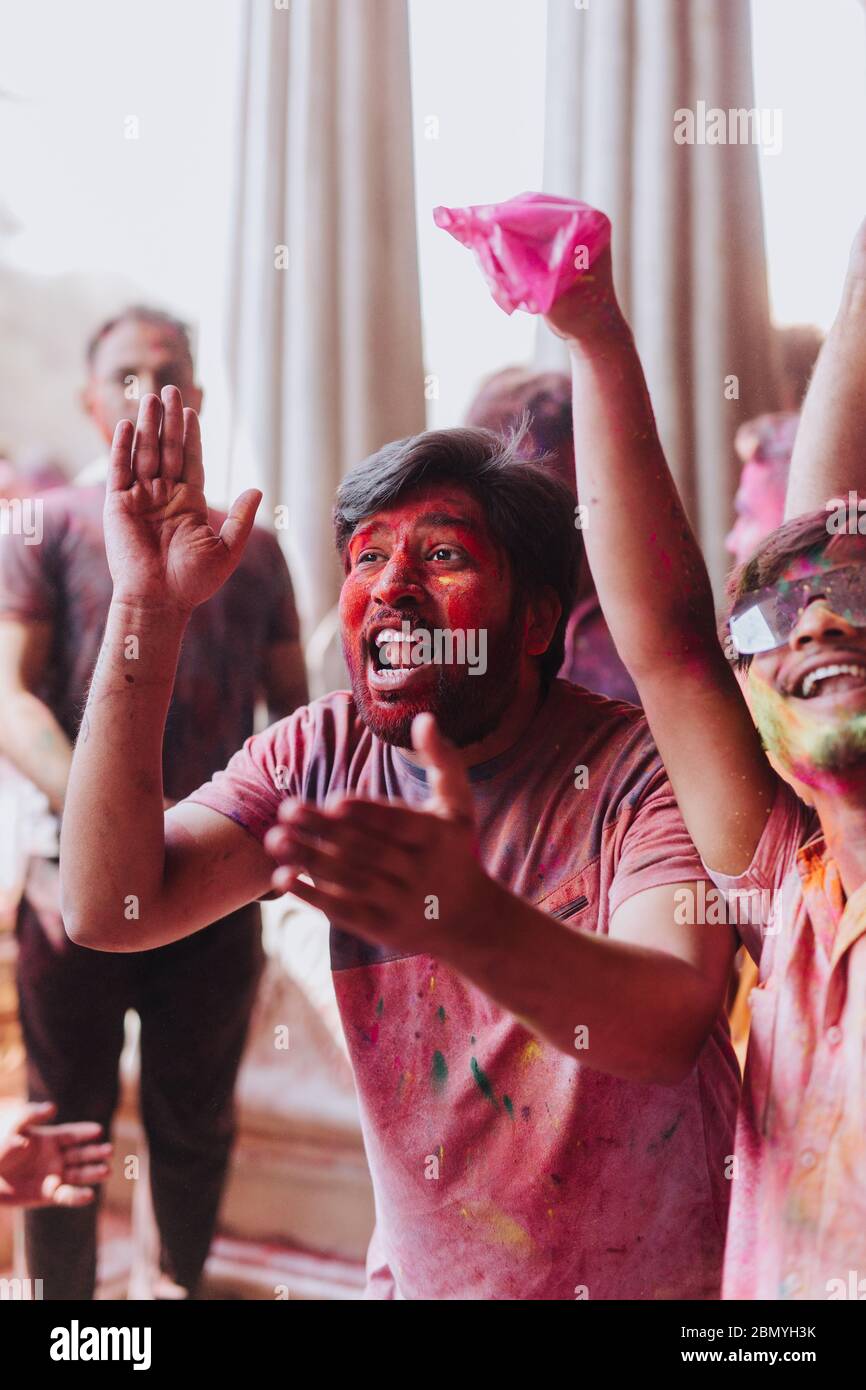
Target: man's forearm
(35, 744)
(634, 1012)
(113, 843)
(645, 561)
(829, 458)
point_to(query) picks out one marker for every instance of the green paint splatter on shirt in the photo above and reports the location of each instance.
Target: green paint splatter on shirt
(506, 1101)
(380, 1006)
(439, 1072)
(483, 1083)
(441, 1012)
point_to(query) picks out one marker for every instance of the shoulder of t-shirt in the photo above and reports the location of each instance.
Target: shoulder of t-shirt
(312, 741)
(615, 739)
(59, 509)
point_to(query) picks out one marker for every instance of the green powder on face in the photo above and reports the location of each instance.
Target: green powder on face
(804, 744)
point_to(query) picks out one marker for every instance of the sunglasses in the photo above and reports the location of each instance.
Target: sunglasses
(766, 619)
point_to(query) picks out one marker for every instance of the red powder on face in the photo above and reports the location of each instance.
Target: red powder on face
(442, 576)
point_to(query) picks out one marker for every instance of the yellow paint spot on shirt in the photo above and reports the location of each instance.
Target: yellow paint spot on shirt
(498, 1228)
(531, 1052)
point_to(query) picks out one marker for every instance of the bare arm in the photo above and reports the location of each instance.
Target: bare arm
(647, 995)
(30, 736)
(285, 679)
(829, 456)
(654, 588)
(132, 878)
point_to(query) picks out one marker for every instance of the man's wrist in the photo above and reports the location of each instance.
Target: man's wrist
(605, 335)
(144, 612)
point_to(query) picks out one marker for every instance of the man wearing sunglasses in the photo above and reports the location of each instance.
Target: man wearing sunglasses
(797, 628)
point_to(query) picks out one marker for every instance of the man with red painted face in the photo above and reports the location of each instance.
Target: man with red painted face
(546, 1083)
(797, 625)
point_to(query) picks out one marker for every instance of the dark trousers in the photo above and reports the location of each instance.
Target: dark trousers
(194, 999)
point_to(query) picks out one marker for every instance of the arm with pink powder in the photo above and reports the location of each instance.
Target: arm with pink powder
(552, 256)
(653, 584)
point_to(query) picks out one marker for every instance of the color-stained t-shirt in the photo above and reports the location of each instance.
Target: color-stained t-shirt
(502, 1168)
(65, 580)
(798, 1203)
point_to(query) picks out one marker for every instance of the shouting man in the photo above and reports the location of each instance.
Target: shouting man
(546, 1083)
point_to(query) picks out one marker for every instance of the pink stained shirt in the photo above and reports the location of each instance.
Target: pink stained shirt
(503, 1169)
(797, 1226)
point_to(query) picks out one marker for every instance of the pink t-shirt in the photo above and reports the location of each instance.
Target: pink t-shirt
(798, 1206)
(502, 1168)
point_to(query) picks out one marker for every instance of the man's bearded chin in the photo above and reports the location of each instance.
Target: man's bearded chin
(467, 707)
(819, 751)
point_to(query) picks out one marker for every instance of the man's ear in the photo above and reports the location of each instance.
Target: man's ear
(195, 400)
(542, 615)
(85, 397)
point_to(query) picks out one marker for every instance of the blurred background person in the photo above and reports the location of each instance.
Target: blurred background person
(543, 401)
(193, 998)
(764, 445)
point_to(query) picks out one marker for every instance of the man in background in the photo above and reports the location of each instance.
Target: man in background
(542, 400)
(195, 997)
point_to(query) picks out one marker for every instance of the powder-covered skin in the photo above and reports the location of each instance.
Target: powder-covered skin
(816, 745)
(502, 1167)
(807, 745)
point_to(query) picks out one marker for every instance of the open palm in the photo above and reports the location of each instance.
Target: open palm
(44, 1164)
(162, 550)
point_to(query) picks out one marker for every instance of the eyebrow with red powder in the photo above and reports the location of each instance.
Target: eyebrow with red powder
(457, 523)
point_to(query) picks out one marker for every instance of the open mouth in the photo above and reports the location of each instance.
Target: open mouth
(837, 678)
(393, 660)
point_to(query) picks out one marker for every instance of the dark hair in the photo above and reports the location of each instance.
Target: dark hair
(770, 560)
(142, 313)
(529, 511)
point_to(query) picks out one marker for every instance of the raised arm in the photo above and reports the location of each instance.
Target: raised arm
(829, 458)
(132, 878)
(653, 584)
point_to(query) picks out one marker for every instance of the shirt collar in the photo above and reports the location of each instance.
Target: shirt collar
(836, 920)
